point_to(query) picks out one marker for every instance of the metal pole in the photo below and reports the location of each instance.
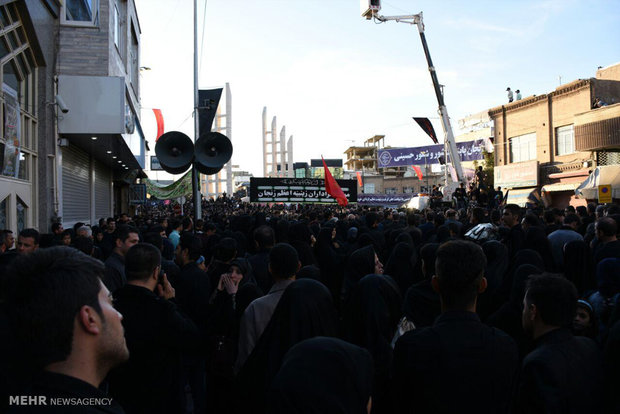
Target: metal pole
(195, 174)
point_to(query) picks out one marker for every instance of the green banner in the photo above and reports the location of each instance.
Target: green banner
(181, 187)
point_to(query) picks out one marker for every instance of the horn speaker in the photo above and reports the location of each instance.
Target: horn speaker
(175, 152)
(212, 151)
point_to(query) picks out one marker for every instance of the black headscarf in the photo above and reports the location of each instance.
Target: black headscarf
(299, 237)
(305, 310)
(524, 256)
(536, 239)
(508, 316)
(401, 265)
(422, 304)
(497, 264)
(360, 263)
(322, 376)
(369, 319)
(578, 266)
(309, 272)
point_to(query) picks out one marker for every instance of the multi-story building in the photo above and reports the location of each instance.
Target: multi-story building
(70, 139)
(548, 144)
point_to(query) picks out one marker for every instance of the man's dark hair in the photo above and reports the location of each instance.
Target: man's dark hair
(226, 249)
(84, 244)
(495, 216)
(571, 218)
(582, 211)
(110, 220)
(186, 223)
(555, 298)
(459, 268)
(478, 214)
(607, 226)
(30, 233)
(283, 261)
(175, 224)
(549, 217)
(613, 209)
(56, 226)
(122, 232)
(157, 228)
(192, 243)
(514, 209)
(531, 219)
(570, 209)
(371, 219)
(4, 235)
(45, 292)
(591, 208)
(412, 219)
(264, 237)
(155, 239)
(141, 260)
(209, 227)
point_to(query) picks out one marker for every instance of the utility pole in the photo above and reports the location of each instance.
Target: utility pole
(195, 173)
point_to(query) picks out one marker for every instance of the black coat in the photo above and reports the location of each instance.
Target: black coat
(260, 266)
(156, 333)
(193, 290)
(563, 374)
(114, 277)
(458, 365)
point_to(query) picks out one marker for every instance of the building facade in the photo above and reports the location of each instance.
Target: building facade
(71, 140)
(549, 144)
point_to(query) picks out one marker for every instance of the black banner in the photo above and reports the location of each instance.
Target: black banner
(297, 190)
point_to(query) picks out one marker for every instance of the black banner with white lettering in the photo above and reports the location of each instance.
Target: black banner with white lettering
(297, 190)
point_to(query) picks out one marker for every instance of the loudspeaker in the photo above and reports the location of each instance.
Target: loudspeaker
(175, 152)
(207, 170)
(212, 151)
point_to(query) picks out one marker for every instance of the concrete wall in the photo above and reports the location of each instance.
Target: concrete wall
(85, 50)
(610, 72)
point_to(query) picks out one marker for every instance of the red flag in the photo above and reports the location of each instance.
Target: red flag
(332, 187)
(418, 171)
(359, 178)
(160, 123)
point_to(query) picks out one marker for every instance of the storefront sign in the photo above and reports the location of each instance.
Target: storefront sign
(297, 190)
(522, 174)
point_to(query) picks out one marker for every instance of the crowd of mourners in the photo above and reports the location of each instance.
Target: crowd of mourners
(315, 309)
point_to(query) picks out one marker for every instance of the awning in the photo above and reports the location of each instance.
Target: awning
(524, 197)
(605, 175)
(560, 187)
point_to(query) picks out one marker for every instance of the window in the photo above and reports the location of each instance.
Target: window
(3, 213)
(565, 140)
(21, 208)
(117, 28)
(134, 63)
(408, 190)
(369, 188)
(80, 12)
(391, 190)
(523, 148)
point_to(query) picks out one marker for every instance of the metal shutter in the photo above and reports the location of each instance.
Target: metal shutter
(75, 185)
(103, 195)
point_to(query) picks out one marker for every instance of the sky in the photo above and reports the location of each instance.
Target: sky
(335, 79)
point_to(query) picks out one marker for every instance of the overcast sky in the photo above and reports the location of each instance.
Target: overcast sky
(335, 79)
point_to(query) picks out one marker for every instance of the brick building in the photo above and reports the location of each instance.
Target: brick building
(546, 145)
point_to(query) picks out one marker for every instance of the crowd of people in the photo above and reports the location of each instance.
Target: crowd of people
(316, 309)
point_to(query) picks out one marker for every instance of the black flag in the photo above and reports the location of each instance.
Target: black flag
(426, 125)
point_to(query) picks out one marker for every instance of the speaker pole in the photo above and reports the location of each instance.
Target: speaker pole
(195, 174)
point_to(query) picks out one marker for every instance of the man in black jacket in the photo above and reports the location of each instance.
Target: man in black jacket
(124, 238)
(446, 367)
(563, 373)
(193, 290)
(156, 332)
(65, 329)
